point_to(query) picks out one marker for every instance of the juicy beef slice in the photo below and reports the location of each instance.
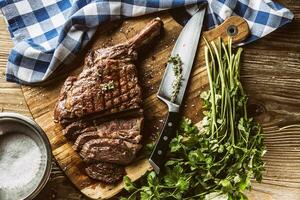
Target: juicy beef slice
(73, 130)
(106, 172)
(84, 138)
(115, 151)
(126, 129)
(108, 83)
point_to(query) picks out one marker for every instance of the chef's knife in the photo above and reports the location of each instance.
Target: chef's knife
(185, 47)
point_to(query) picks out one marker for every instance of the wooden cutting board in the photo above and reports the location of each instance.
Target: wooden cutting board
(151, 65)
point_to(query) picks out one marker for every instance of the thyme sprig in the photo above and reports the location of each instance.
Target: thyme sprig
(218, 159)
(107, 86)
(177, 69)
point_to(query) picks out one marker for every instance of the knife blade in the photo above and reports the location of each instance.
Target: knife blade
(185, 47)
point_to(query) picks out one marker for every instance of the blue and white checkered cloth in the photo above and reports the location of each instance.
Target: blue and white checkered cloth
(48, 34)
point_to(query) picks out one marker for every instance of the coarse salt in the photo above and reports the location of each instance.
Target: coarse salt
(20, 159)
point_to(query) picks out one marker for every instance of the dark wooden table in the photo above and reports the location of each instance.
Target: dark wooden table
(271, 76)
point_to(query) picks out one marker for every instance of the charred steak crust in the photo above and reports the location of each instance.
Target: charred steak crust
(87, 97)
(106, 89)
(84, 95)
(61, 107)
(106, 172)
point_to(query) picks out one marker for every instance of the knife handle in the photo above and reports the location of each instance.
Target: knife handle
(157, 158)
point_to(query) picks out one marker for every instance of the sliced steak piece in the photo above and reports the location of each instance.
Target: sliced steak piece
(108, 83)
(109, 150)
(73, 130)
(127, 129)
(106, 172)
(83, 138)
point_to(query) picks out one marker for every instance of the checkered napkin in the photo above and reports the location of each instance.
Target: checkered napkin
(48, 34)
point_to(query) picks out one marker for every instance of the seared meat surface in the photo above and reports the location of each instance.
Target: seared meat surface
(107, 87)
(108, 83)
(100, 109)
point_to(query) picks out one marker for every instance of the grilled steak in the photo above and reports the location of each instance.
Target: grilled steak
(106, 172)
(100, 109)
(108, 82)
(109, 150)
(126, 129)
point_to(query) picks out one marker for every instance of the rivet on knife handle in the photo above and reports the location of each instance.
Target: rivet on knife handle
(158, 155)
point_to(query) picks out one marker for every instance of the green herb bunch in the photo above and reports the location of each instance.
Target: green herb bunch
(217, 159)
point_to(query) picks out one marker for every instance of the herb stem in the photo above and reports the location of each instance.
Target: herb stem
(212, 93)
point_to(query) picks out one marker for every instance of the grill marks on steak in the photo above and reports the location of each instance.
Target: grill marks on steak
(84, 96)
(86, 101)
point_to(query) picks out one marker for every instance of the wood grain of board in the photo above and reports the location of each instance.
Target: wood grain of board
(270, 71)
